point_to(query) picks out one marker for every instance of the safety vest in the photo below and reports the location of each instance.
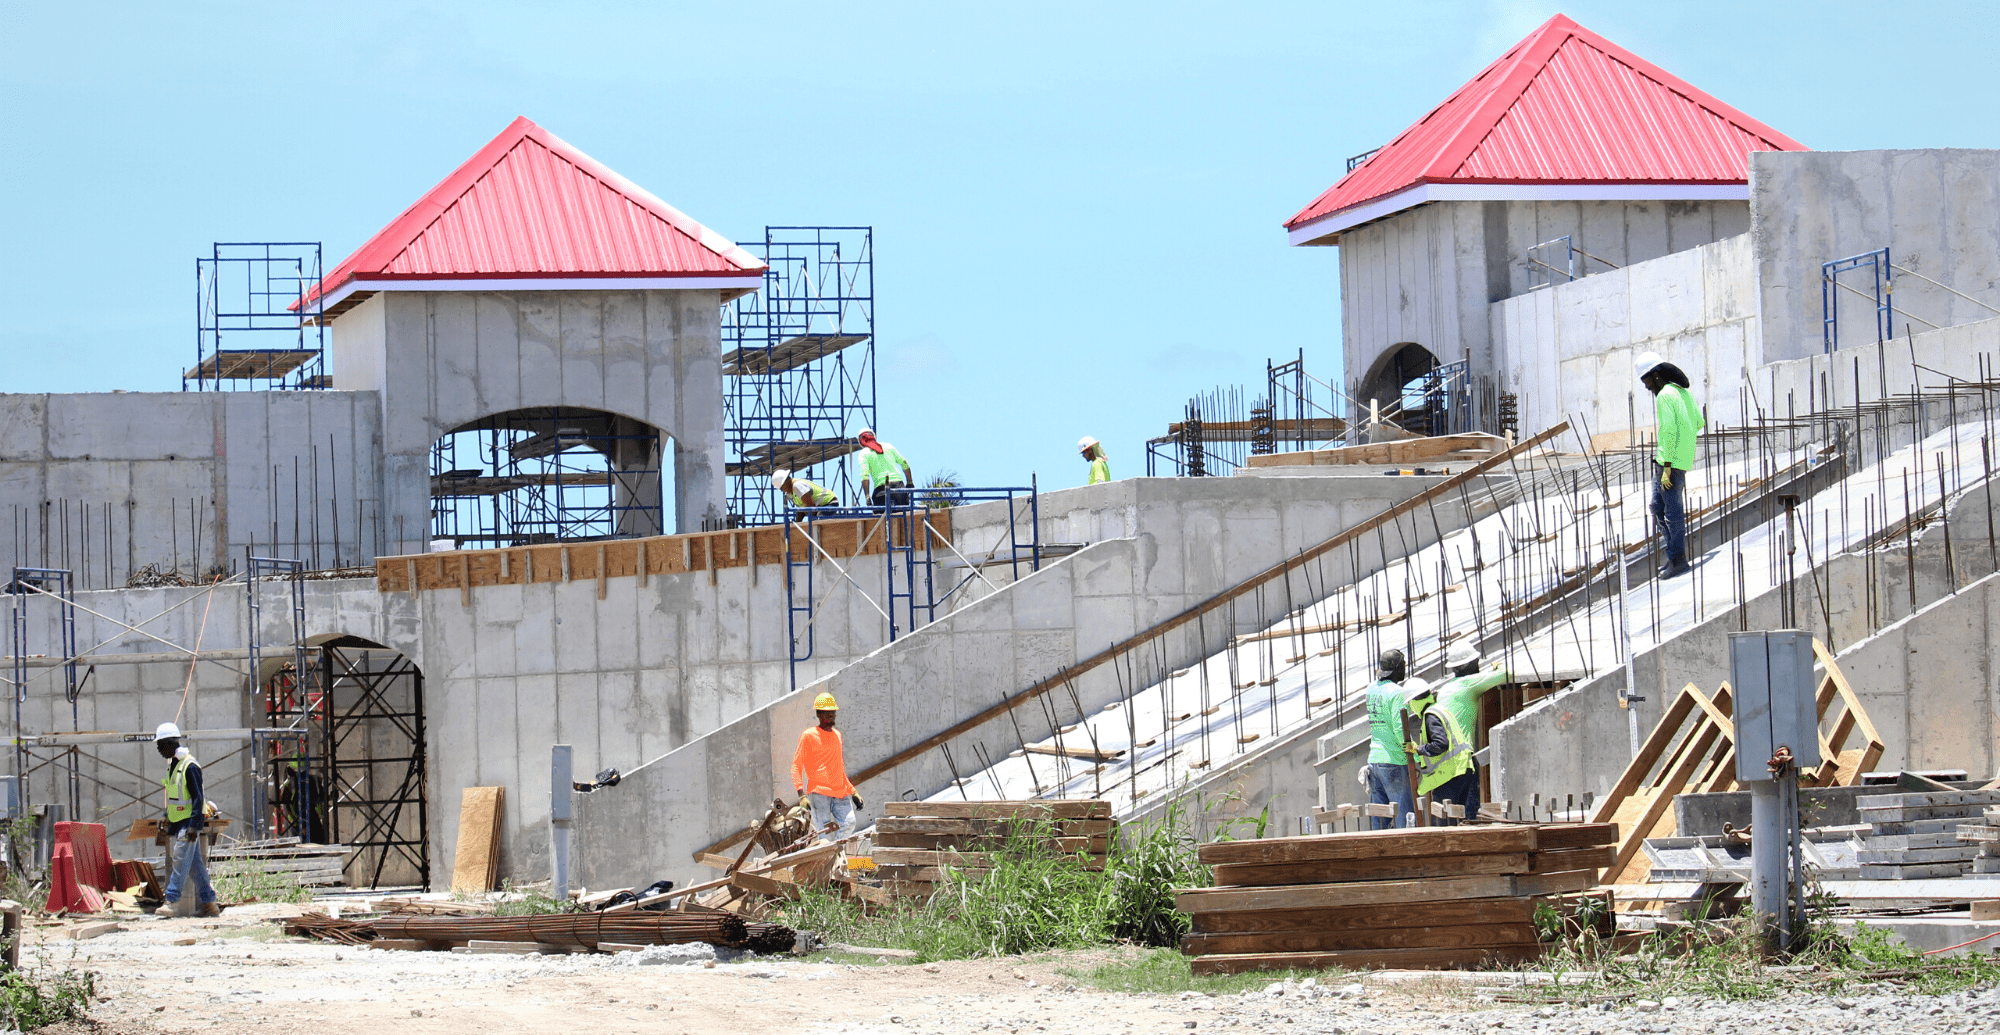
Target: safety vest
(1100, 470)
(1434, 771)
(807, 494)
(180, 805)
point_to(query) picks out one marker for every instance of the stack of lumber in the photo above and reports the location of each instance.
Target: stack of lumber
(477, 865)
(309, 865)
(589, 931)
(1915, 836)
(916, 842)
(1987, 836)
(1467, 448)
(1421, 899)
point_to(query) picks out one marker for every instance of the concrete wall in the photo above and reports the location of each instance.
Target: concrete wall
(1872, 371)
(1191, 538)
(1427, 275)
(188, 480)
(140, 682)
(1936, 210)
(443, 359)
(1931, 683)
(1567, 350)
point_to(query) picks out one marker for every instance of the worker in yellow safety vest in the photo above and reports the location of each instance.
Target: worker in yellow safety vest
(801, 493)
(1093, 451)
(186, 810)
(1446, 770)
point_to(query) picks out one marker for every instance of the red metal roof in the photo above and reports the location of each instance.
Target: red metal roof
(529, 205)
(1565, 105)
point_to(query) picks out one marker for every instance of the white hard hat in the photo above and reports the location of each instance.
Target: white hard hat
(1085, 442)
(779, 477)
(1462, 653)
(864, 431)
(167, 730)
(1645, 363)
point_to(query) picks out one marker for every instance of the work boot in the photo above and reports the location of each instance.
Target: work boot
(1677, 566)
(210, 909)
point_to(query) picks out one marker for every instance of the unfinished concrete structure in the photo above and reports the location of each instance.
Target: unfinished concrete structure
(1207, 636)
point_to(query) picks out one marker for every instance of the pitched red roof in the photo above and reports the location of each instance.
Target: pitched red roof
(530, 207)
(1564, 106)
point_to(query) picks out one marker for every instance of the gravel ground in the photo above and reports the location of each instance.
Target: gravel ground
(237, 973)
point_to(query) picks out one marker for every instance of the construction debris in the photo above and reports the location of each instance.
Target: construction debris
(918, 841)
(477, 867)
(308, 865)
(564, 931)
(1915, 836)
(1421, 899)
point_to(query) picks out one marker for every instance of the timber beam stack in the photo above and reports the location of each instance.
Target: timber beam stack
(918, 841)
(1410, 899)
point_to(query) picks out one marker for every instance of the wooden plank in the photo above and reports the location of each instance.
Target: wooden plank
(1227, 598)
(1986, 909)
(999, 809)
(763, 885)
(1536, 884)
(1322, 871)
(1450, 913)
(478, 839)
(1373, 844)
(1556, 837)
(923, 825)
(973, 860)
(1324, 896)
(975, 842)
(1368, 959)
(1573, 859)
(1463, 937)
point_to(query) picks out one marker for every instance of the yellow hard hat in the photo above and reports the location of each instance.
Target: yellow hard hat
(825, 703)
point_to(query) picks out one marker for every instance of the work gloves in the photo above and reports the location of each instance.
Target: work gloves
(858, 803)
(1666, 476)
(1412, 747)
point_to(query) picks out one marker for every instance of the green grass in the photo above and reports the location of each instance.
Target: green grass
(40, 994)
(1169, 972)
(1030, 901)
(248, 881)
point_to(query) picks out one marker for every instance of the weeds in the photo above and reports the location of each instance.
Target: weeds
(14, 881)
(249, 880)
(1031, 899)
(1169, 972)
(39, 995)
(529, 900)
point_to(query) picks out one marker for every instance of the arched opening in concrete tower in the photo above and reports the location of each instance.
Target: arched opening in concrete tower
(1404, 386)
(549, 474)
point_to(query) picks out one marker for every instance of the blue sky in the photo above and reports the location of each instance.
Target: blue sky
(1077, 206)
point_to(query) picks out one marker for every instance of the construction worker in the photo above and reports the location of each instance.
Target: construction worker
(1093, 451)
(1680, 420)
(186, 805)
(801, 493)
(1446, 770)
(1460, 694)
(820, 773)
(1387, 774)
(883, 471)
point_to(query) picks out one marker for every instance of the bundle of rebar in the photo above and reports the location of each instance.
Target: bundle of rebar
(572, 930)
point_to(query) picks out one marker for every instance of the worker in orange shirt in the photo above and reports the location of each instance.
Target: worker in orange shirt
(819, 772)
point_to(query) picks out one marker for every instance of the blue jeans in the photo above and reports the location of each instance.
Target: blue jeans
(1668, 514)
(1462, 789)
(838, 810)
(1390, 785)
(189, 865)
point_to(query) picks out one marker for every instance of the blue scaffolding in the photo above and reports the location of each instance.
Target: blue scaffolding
(1882, 294)
(799, 362)
(254, 331)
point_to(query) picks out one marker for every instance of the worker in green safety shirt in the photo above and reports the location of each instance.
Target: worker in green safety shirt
(1460, 693)
(800, 493)
(1093, 451)
(186, 809)
(1680, 421)
(1445, 767)
(885, 475)
(1387, 774)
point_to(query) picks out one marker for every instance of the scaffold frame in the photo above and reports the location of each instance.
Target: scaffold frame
(254, 328)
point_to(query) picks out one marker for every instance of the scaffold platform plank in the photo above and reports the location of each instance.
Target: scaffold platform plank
(789, 354)
(473, 483)
(792, 456)
(249, 364)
